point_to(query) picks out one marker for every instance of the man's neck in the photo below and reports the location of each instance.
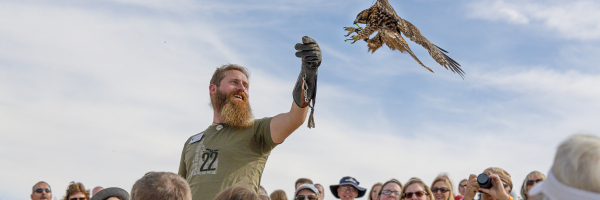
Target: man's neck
(217, 119)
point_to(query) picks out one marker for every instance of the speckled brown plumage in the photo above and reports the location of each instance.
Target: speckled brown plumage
(382, 18)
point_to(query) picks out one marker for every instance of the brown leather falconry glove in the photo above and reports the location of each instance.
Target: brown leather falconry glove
(305, 90)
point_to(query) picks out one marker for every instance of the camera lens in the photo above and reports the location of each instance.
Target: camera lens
(484, 181)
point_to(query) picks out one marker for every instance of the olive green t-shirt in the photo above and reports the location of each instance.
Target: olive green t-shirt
(222, 156)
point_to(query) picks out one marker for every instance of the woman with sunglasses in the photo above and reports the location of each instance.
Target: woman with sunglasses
(306, 191)
(441, 189)
(531, 179)
(76, 191)
(415, 189)
(374, 191)
(390, 190)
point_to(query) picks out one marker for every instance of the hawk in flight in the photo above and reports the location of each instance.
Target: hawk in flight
(382, 18)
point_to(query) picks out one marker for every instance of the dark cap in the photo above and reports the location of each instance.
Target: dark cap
(347, 180)
(111, 192)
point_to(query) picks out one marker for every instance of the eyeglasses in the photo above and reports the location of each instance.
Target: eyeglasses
(442, 189)
(389, 192)
(350, 188)
(80, 198)
(418, 194)
(40, 190)
(309, 197)
(531, 182)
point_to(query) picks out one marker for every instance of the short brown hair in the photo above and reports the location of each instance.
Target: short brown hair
(237, 192)
(220, 73)
(302, 180)
(75, 188)
(161, 185)
(278, 195)
(388, 182)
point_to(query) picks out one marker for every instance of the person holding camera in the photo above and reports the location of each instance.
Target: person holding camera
(494, 184)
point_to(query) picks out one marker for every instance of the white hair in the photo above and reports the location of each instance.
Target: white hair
(577, 162)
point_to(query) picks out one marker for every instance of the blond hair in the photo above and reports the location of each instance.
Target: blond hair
(428, 192)
(447, 182)
(373, 187)
(524, 191)
(577, 162)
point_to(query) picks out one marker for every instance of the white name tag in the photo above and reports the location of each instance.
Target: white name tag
(197, 138)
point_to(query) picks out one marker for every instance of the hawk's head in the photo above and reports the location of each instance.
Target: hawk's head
(363, 17)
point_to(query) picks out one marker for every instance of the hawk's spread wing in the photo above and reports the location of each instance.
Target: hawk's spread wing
(412, 32)
(382, 18)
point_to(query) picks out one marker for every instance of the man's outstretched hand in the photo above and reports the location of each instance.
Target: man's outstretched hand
(309, 51)
(305, 90)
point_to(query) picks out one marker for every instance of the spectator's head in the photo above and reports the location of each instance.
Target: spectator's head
(112, 193)
(415, 189)
(76, 191)
(462, 186)
(96, 190)
(237, 192)
(41, 190)
(306, 191)
(441, 189)
(504, 178)
(447, 176)
(374, 191)
(390, 190)
(575, 173)
(530, 180)
(301, 181)
(161, 185)
(278, 195)
(321, 191)
(348, 189)
(577, 163)
(262, 191)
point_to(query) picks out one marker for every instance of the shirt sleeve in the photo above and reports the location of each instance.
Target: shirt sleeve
(262, 135)
(182, 166)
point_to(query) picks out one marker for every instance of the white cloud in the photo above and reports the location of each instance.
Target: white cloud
(568, 19)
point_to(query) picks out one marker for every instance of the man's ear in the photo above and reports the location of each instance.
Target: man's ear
(212, 88)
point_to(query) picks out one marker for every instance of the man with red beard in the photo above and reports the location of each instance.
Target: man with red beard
(234, 149)
(41, 190)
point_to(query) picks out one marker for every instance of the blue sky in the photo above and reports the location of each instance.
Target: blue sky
(101, 92)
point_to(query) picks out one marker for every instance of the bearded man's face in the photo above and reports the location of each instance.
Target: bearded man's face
(233, 107)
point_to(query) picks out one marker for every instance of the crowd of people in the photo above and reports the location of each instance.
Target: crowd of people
(575, 174)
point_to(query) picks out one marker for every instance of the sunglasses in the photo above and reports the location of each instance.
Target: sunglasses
(40, 190)
(442, 189)
(80, 198)
(531, 182)
(418, 194)
(465, 185)
(352, 189)
(389, 192)
(309, 197)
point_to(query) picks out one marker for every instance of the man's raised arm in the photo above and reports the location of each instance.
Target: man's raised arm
(304, 93)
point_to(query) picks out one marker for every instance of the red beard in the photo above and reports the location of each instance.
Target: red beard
(235, 113)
